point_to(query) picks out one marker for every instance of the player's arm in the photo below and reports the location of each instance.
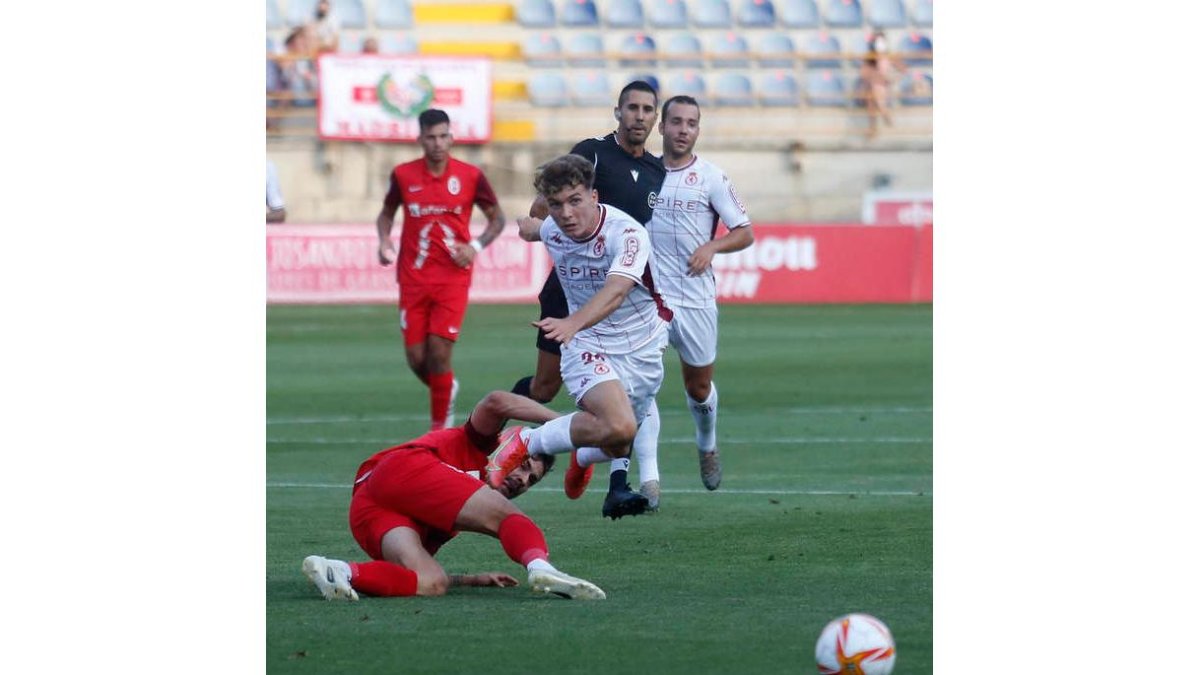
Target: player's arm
(736, 240)
(607, 299)
(490, 414)
(485, 579)
(485, 199)
(539, 208)
(529, 229)
(386, 219)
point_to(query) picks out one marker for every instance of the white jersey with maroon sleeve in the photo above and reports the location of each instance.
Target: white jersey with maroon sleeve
(620, 245)
(692, 200)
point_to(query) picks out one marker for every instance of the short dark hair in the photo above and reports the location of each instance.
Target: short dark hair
(432, 117)
(566, 171)
(681, 98)
(636, 85)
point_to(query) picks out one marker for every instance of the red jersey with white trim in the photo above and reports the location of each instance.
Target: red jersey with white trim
(619, 245)
(437, 212)
(457, 447)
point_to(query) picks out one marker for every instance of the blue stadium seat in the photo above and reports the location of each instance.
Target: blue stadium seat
(887, 14)
(733, 89)
(590, 88)
(547, 90)
(398, 44)
(918, 45)
(667, 13)
(916, 88)
(684, 45)
(648, 78)
(393, 14)
(822, 44)
(778, 89)
(625, 14)
(350, 13)
(689, 84)
(729, 50)
(542, 50)
(922, 13)
(776, 50)
(711, 13)
(300, 12)
(585, 49)
(640, 49)
(825, 88)
(274, 18)
(536, 14)
(798, 14)
(756, 14)
(578, 13)
(843, 13)
(859, 44)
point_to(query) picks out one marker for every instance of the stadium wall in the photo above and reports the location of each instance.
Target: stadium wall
(823, 263)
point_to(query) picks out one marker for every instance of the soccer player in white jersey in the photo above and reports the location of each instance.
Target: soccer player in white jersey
(695, 195)
(612, 340)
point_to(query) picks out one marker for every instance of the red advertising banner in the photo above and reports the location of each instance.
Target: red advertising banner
(787, 263)
(884, 207)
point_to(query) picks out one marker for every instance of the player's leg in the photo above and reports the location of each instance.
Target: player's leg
(414, 323)
(448, 309)
(544, 384)
(697, 346)
(547, 377)
(645, 451)
(642, 375)
(407, 569)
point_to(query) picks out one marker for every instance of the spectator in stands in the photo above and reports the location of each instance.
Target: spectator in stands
(326, 28)
(875, 75)
(276, 213)
(370, 46)
(299, 74)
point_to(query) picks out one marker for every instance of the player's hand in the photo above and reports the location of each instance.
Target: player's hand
(529, 228)
(561, 330)
(700, 261)
(387, 253)
(462, 255)
(492, 579)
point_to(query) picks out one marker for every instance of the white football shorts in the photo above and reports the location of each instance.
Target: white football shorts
(693, 333)
(640, 372)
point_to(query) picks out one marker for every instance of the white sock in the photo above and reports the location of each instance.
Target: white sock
(590, 456)
(705, 416)
(645, 444)
(341, 565)
(621, 464)
(552, 438)
(540, 564)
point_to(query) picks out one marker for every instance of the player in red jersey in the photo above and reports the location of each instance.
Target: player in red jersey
(409, 500)
(436, 251)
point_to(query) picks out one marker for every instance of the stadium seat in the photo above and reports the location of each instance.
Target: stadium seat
(590, 88)
(778, 89)
(798, 14)
(579, 13)
(916, 89)
(639, 50)
(776, 50)
(825, 88)
(733, 89)
(648, 78)
(711, 14)
(887, 14)
(684, 49)
(393, 14)
(688, 84)
(350, 13)
(729, 50)
(667, 13)
(756, 14)
(548, 90)
(917, 45)
(843, 13)
(625, 14)
(542, 50)
(922, 13)
(274, 18)
(585, 49)
(300, 12)
(398, 44)
(823, 44)
(860, 44)
(536, 14)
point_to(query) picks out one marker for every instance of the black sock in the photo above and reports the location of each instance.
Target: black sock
(522, 387)
(618, 481)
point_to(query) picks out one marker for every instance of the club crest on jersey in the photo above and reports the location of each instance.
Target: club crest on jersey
(453, 186)
(691, 178)
(598, 247)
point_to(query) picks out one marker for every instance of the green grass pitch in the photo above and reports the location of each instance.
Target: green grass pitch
(826, 507)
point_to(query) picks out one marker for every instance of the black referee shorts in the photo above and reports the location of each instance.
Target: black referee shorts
(554, 304)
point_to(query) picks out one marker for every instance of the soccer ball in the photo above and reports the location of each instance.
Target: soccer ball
(856, 644)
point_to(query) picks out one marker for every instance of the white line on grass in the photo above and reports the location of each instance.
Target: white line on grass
(682, 491)
(665, 441)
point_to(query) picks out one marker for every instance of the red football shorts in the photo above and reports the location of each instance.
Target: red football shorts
(410, 488)
(432, 309)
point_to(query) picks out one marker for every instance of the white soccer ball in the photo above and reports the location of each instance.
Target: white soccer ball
(856, 644)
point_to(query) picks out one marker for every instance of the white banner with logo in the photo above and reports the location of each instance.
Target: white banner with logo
(367, 97)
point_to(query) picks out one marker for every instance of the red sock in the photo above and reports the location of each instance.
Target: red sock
(383, 579)
(522, 540)
(439, 398)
